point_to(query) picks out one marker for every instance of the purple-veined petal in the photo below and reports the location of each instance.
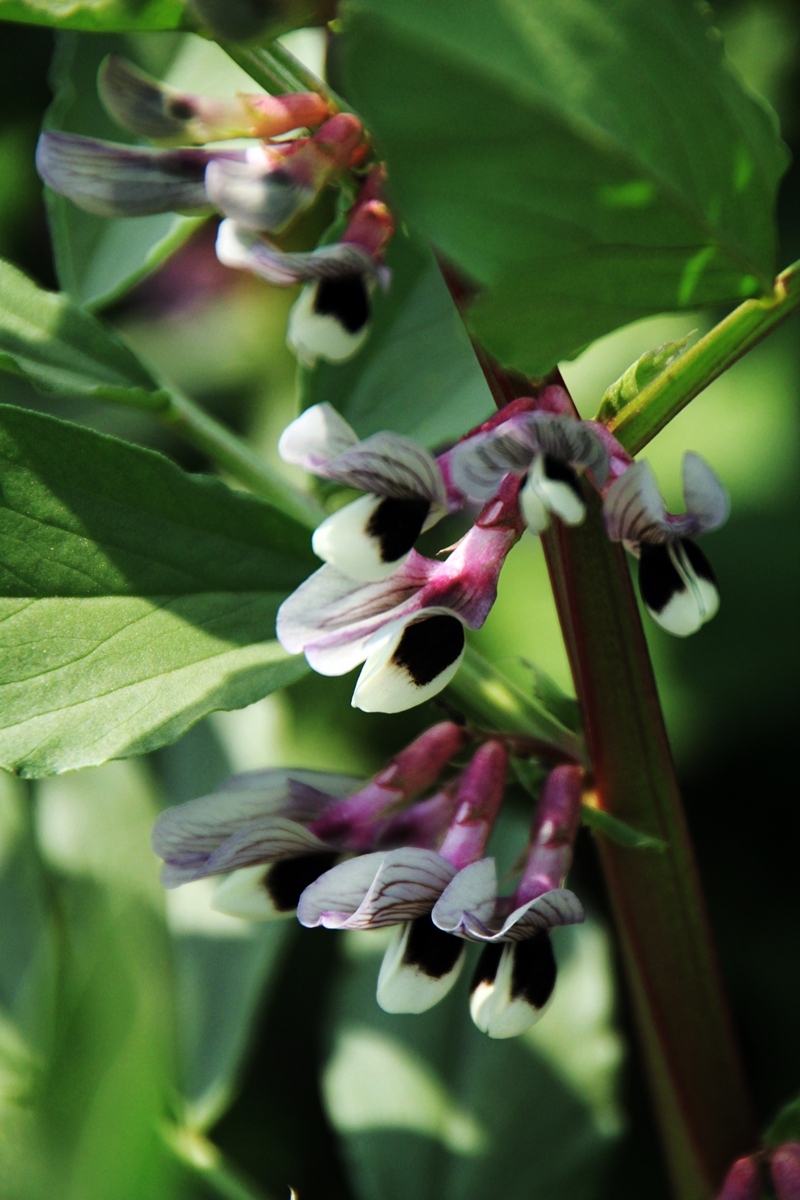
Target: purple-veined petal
(187, 835)
(569, 441)
(256, 193)
(315, 437)
(556, 907)
(478, 464)
(706, 499)
(512, 986)
(389, 464)
(264, 839)
(419, 968)
(473, 890)
(410, 661)
(241, 248)
(634, 509)
(331, 618)
(113, 180)
(376, 890)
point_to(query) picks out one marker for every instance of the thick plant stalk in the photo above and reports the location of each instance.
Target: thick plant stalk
(681, 1014)
(690, 1054)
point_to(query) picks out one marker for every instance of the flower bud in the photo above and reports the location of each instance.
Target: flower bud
(742, 1181)
(785, 1170)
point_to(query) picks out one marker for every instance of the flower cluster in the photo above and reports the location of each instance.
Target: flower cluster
(376, 856)
(259, 189)
(377, 601)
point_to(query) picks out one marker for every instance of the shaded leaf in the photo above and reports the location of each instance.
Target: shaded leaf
(620, 831)
(417, 373)
(135, 599)
(587, 164)
(61, 349)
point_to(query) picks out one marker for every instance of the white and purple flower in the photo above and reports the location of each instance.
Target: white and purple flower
(271, 833)
(400, 888)
(516, 973)
(546, 446)
(676, 581)
(407, 629)
(370, 538)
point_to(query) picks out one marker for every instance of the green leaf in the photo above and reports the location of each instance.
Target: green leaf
(586, 163)
(97, 16)
(430, 1108)
(417, 373)
(135, 598)
(785, 1127)
(620, 831)
(646, 368)
(97, 260)
(63, 350)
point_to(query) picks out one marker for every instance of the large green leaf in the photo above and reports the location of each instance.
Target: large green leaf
(97, 16)
(587, 162)
(432, 1109)
(63, 350)
(417, 373)
(135, 598)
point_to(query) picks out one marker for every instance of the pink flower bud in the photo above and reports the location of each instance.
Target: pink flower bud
(785, 1171)
(742, 1181)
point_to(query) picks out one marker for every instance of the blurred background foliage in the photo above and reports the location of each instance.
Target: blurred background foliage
(152, 1048)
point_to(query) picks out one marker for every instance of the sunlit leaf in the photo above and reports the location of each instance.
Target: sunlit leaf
(135, 598)
(97, 16)
(61, 349)
(587, 164)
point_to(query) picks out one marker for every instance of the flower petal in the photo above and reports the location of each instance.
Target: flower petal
(113, 180)
(263, 840)
(570, 441)
(534, 512)
(376, 890)
(634, 509)
(315, 437)
(255, 193)
(473, 890)
(270, 892)
(331, 618)
(371, 537)
(413, 660)
(187, 835)
(479, 463)
(389, 464)
(330, 319)
(419, 968)
(678, 586)
(556, 907)
(512, 986)
(558, 487)
(242, 249)
(706, 499)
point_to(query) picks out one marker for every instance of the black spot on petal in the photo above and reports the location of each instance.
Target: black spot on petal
(396, 525)
(698, 562)
(561, 472)
(346, 299)
(429, 647)
(287, 879)
(659, 579)
(179, 108)
(432, 950)
(533, 976)
(489, 961)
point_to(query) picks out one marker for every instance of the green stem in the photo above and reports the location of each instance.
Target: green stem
(235, 456)
(278, 71)
(689, 1049)
(489, 696)
(655, 406)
